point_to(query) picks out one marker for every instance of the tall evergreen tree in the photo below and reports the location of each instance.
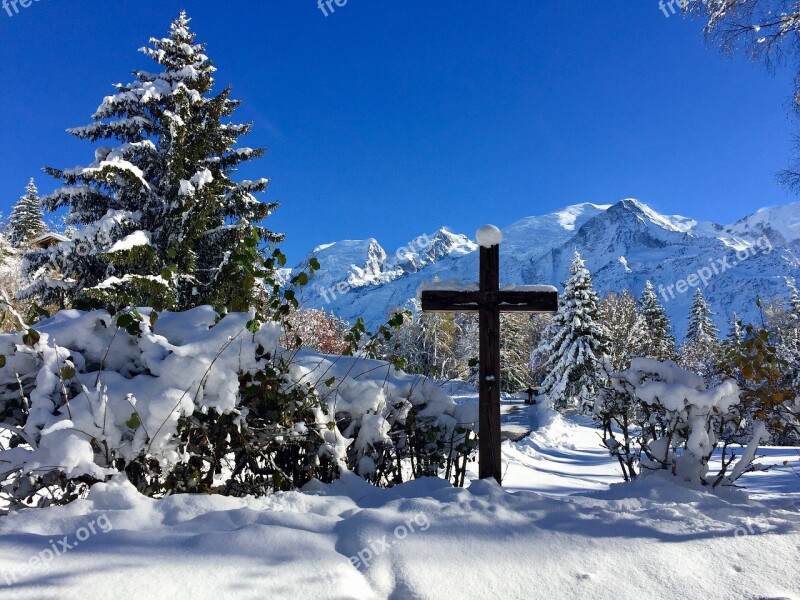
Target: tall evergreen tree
(736, 332)
(701, 350)
(794, 302)
(26, 221)
(575, 344)
(784, 323)
(159, 221)
(659, 343)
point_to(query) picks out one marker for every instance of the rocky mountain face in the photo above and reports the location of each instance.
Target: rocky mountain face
(624, 245)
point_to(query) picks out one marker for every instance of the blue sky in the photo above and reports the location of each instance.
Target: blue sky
(390, 118)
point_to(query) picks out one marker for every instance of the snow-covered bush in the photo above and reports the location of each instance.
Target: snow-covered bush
(191, 402)
(756, 358)
(657, 417)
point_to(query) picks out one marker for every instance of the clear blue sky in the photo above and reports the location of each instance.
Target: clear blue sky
(388, 119)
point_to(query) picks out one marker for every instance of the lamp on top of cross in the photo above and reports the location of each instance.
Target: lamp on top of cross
(489, 300)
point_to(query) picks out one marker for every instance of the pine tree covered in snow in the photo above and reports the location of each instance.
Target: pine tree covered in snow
(9, 284)
(659, 343)
(627, 334)
(158, 219)
(784, 323)
(575, 343)
(701, 350)
(736, 332)
(26, 221)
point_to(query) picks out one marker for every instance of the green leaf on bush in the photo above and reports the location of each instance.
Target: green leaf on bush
(134, 422)
(67, 373)
(30, 338)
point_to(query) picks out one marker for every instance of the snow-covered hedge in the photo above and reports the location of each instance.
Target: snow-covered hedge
(659, 418)
(194, 402)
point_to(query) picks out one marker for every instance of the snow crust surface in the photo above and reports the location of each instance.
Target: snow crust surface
(561, 528)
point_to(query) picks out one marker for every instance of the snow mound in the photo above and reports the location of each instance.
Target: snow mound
(488, 236)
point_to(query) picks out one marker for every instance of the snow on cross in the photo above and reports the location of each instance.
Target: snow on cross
(489, 300)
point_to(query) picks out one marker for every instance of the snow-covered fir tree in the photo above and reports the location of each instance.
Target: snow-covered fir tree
(736, 330)
(158, 219)
(794, 305)
(783, 320)
(659, 343)
(701, 349)
(10, 283)
(26, 222)
(625, 326)
(575, 344)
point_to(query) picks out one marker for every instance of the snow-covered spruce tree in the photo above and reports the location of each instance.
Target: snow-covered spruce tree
(10, 284)
(26, 221)
(736, 331)
(159, 221)
(575, 344)
(701, 349)
(659, 343)
(625, 326)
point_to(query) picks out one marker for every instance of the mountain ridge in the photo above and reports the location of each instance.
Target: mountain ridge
(624, 245)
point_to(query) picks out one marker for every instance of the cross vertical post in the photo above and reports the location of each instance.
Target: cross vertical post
(489, 300)
(489, 463)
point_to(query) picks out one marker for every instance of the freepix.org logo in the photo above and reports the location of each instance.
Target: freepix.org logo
(327, 6)
(12, 6)
(56, 549)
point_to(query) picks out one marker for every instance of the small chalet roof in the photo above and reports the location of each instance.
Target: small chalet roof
(48, 239)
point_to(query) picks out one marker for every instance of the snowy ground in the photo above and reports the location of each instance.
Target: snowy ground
(558, 530)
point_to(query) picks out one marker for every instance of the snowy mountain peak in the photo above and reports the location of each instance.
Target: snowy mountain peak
(624, 245)
(569, 217)
(779, 222)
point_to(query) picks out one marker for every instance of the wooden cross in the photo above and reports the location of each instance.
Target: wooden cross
(489, 301)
